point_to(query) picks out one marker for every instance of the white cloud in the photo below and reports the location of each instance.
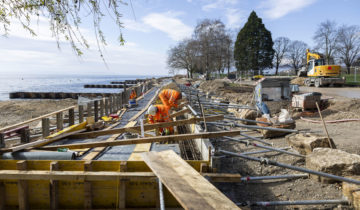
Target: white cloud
(218, 4)
(168, 23)
(135, 25)
(278, 8)
(234, 18)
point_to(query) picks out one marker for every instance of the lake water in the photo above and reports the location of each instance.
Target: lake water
(59, 83)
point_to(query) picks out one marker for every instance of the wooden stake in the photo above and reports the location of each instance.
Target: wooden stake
(71, 117)
(81, 113)
(22, 187)
(54, 187)
(59, 121)
(45, 125)
(326, 131)
(87, 188)
(122, 187)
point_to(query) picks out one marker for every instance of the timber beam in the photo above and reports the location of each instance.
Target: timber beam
(181, 137)
(147, 127)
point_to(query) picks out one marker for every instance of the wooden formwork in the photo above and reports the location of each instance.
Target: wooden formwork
(44, 184)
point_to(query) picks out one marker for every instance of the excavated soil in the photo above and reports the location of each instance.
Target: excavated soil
(15, 111)
(298, 81)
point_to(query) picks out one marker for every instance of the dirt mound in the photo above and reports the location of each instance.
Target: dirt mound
(213, 85)
(298, 81)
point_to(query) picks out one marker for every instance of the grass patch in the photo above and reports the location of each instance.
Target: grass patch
(350, 79)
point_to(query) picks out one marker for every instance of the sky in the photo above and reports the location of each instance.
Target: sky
(151, 27)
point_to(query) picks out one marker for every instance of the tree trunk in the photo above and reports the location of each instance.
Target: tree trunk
(277, 69)
(348, 68)
(188, 75)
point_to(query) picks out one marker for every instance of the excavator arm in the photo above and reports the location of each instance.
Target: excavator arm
(310, 55)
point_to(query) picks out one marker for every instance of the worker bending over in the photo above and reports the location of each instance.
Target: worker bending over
(170, 97)
(159, 114)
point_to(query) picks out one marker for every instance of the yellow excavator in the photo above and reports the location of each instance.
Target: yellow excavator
(320, 74)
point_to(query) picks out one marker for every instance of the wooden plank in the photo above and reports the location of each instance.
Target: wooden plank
(189, 188)
(40, 142)
(181, 137)
(25, 135)
(22, 187)
(87, 188)
(75, 175)
(122, 187)
(179, 113)
(34, 119)
(147, 127)
(54, 187)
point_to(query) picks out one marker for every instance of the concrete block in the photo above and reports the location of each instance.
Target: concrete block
(333, 161)
(247, 114)
(352, 192)
(305, 143)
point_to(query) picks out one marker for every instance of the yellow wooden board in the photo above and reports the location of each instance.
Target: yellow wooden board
(139, 194)
(189, 188)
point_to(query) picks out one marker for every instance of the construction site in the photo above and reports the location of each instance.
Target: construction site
(215, 150)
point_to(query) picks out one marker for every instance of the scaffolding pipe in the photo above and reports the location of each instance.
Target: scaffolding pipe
(300, 202)
(287, 176)
(262, 151)
(264, 147)
(48, 155)
(246, 120)
(161, 195)
(305, 170)
(193, 111)
(260, 127)
(257, 139)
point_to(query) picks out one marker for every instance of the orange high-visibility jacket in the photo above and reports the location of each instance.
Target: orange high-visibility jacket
(133, 94)
(162, 114)
(169, 97)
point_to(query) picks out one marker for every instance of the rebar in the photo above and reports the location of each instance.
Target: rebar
(263, 146)
(300, 202)
(286, 176)
(260, 127)
(274, 163)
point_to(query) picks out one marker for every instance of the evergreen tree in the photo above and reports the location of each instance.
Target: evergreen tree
(254, 46)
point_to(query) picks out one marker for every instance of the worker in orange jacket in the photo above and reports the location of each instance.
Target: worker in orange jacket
(158, 114)
(170, 97)
(133, 94)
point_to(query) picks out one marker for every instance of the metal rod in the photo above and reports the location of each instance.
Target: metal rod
(274, 163)
(300, 202)
(264, 147)
(256, 139)
(324, 125)
(262, 151)
(260, 127)
(246, 120)
(193, 111)
(161, 196)
(287, 176)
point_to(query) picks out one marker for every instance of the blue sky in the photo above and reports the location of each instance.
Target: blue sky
(155, 26)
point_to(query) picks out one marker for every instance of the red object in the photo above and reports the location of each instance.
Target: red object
(188, 84)
(329, 67)
(114, 116)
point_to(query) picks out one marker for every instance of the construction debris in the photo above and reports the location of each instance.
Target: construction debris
(333, 161)
(305, 143)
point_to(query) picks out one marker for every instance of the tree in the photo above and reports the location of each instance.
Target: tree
(348, 45)
(64, 18)
(184, 56)
(253, 47)
(213, 42)
(326, 39)
(297, 54)
(281, 48)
